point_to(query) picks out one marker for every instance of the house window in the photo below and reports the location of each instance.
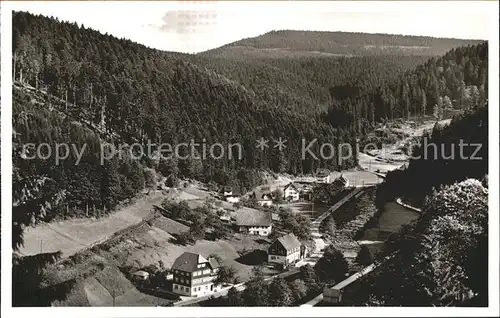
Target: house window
(176, 287)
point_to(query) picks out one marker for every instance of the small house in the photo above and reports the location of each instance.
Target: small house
(291, 192)
(227, 191)
(141, 276)
(253, 221)
(286, 250)
(323, 176)
(231, 194)
(263, 198)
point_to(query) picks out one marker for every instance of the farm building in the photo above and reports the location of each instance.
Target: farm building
(253, 221)
(286, 250)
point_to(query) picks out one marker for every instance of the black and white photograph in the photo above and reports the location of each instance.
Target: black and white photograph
(292, 154)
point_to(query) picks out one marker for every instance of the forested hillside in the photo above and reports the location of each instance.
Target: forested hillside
(102, 88)
(368, 88)
(300, 82)
(449, 154)
(80, 86)
(342, 43)
(441, 260)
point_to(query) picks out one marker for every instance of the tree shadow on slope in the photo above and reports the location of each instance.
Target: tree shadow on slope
(255, 257)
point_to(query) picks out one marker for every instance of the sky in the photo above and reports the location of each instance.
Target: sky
(194, 26)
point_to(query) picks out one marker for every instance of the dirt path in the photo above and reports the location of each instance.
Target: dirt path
(71, 236)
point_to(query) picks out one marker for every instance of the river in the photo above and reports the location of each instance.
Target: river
(393, 217)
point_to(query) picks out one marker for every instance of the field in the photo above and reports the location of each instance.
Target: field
(70, 236)
(358, 178)
(98, 275)
(395, 216)
(305, 208)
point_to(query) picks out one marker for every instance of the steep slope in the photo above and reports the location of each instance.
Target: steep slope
(125, 92)
(82, 87)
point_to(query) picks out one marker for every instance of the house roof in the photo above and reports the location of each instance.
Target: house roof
(141, 274)
(233, 190)
(322, 173)
(253, 217)
(289, 241)
(188, 262)
(341, 181)
(291, 185)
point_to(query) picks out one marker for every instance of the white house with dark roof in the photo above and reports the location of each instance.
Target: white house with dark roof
(291, 192)
(286, 250)
(323, 177)
(193, 275)
(231, 194)
(253, 221)
(263, 198)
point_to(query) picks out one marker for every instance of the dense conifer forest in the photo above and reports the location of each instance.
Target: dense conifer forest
(345, 43)
(442, 157)
(80, 86)
(76, 86)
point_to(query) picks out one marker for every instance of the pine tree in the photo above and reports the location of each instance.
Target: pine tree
(364, 257)
(423, 105)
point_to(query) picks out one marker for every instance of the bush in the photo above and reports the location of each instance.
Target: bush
(185, 238)
(364, 257)
(332, 267)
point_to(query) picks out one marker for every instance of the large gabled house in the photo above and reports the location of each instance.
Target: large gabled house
(253, 221)
(193, 274)
(286, 250)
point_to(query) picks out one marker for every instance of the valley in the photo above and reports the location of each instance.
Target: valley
(271, 227)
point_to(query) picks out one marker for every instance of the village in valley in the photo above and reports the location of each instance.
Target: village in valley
(196, 243)
(296, 168)
(258, 215)
(200, 245)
